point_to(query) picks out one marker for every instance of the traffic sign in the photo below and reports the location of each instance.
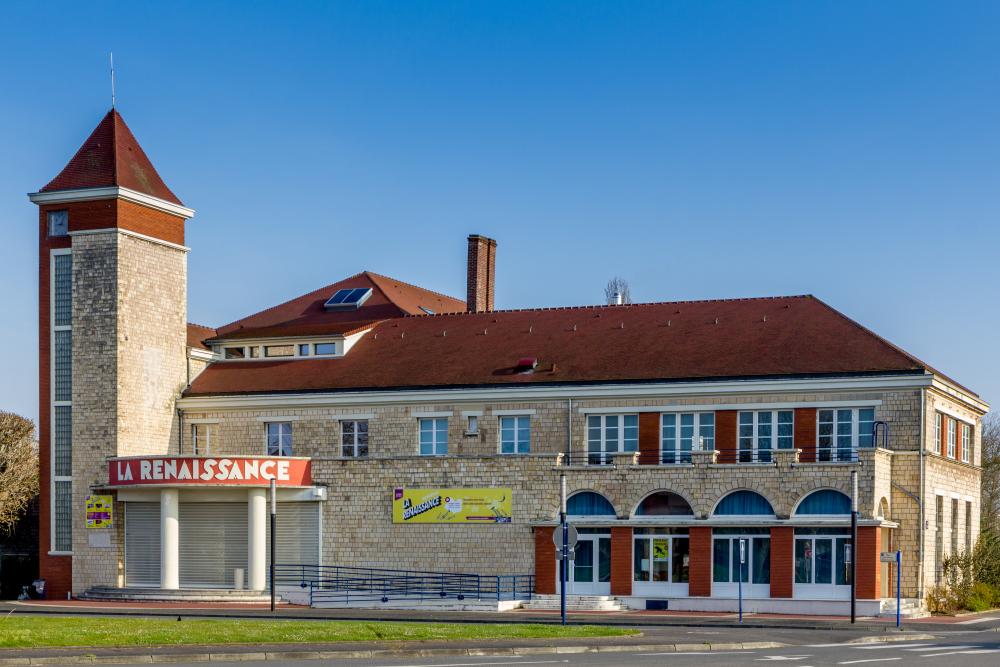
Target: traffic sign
(572, 537)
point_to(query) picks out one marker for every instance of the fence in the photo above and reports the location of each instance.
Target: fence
(341, 584)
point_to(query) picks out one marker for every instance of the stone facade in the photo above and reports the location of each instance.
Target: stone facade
(129, 325)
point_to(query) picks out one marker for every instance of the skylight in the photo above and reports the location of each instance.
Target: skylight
(348, 299)
(426, 310)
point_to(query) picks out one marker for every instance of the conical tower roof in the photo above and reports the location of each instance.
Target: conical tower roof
(110, 157)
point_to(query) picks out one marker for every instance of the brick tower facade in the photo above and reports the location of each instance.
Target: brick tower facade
(112, 339)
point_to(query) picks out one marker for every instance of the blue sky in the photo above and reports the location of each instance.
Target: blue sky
(698, 149)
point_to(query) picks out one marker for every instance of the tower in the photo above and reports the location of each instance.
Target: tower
(112, 335)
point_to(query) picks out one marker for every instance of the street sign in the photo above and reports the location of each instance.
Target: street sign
(887, 557)
(847, 553)
(743, 552)
(572, 537)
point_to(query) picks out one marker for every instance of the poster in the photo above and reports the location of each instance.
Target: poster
(99, 511)
(487, 505)
(661, 550)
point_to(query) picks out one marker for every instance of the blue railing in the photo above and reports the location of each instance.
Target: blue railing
(342, 584)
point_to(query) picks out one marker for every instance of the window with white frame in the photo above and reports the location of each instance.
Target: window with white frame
(840, 432)
(354, 438)
(609, 434)
(433, 436)
(279, 438)
(762, 431)
(680, 433)
(202, 438)
(58, 223)
(966, 443)
(61, 391)
(515, 434)
(952, 428)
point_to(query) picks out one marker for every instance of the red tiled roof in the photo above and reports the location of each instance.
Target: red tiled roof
(197, 334)
(306, 316)
(768, 337)
(111, 156)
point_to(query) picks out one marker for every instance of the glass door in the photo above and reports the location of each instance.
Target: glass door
(590, 570)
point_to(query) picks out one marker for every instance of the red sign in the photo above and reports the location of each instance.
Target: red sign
(205, 471)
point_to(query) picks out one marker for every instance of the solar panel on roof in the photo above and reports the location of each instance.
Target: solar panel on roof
(348, 299)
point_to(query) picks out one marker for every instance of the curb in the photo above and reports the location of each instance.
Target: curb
(162, 658)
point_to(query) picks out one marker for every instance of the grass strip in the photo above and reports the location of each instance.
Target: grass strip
(21, 631)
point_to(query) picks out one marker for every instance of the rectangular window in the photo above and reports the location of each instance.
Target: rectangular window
(63, 365)
(354, 438)
(58, 223)
(434, 436)
(62, 441)
(515, 435)
(279, 350)
(610, 434)
(254, 352)
(62, 290)
(938, 418)
(968, 526)
(680, 433)
(279, 438)
(822, 560)
(762, 431)
(235, 353)
(661, 559)
(304, 350)
(202, 437)
(966, 443)
(756, 568)
(63, 516)
(839, 433)
(938, 539)
(952, 427)
(954, 526)
(324, 349)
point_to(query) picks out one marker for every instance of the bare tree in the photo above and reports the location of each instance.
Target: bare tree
(989, 518)
(617, 291)
(18, 467)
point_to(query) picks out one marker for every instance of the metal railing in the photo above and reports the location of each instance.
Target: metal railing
(588, 458)
(342, 584)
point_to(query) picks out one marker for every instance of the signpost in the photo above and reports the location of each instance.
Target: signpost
(563, 547)
(854, 543)
(743, 559)
(897, 558)
(274, 512)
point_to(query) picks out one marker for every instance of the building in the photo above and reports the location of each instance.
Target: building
(687, 431)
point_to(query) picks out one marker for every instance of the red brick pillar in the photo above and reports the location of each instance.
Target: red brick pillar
(782, 561)
(621, 561)
(725, 435)
(545, 561)
(869, 568)
(649, 438)
(700, 562)
(806, 438)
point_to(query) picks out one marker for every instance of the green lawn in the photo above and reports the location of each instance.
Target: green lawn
(21, 631)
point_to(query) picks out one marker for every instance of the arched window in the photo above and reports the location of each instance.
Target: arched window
(825, 501)
(663, 503)
(588, 503)
(743, 503)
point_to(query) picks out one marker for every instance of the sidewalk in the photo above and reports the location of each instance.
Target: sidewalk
(642, 619)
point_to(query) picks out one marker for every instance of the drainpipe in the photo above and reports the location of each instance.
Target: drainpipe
(180, 431)
(569, 427)
(923, 446)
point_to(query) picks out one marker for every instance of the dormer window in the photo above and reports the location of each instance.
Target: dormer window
(348, 299)
(325, 349)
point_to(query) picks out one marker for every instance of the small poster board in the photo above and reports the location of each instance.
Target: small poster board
(100, 511)
(661, 550)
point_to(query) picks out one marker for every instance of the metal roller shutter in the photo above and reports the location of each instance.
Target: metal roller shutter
(142, 544)
(298, 534)
(213, 542)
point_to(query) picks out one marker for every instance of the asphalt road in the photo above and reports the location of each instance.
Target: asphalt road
(958, 650)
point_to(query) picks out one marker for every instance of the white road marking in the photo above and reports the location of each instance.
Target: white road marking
(705, 653)
(979, 620)
(943, 648)
(476, 664)
(891, 645)
(854, 662)
(982, 651)
(775, 658)
(935, 655)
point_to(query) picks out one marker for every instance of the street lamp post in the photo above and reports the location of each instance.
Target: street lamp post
(564, 550)
(274, 513)
(854, 543)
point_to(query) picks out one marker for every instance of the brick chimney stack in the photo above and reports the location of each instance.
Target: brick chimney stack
(481, 273)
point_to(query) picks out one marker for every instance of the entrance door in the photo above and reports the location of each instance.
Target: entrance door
(590, 570)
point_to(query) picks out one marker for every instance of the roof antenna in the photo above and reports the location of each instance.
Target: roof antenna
(111, 54)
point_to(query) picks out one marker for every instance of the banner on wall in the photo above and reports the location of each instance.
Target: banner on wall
(100, 510)
(489, 505)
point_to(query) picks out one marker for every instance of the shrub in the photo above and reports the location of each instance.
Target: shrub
(982, 597)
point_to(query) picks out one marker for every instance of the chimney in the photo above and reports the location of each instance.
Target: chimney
(480, 279)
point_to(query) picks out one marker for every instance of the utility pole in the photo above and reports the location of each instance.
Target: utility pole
(564, 555)
(274, 513)
(854, 543)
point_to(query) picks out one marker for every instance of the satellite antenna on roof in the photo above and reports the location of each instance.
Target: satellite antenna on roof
(112, 57)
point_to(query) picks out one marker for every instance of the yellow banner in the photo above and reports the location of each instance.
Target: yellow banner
(100, 511)
(451, 506)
